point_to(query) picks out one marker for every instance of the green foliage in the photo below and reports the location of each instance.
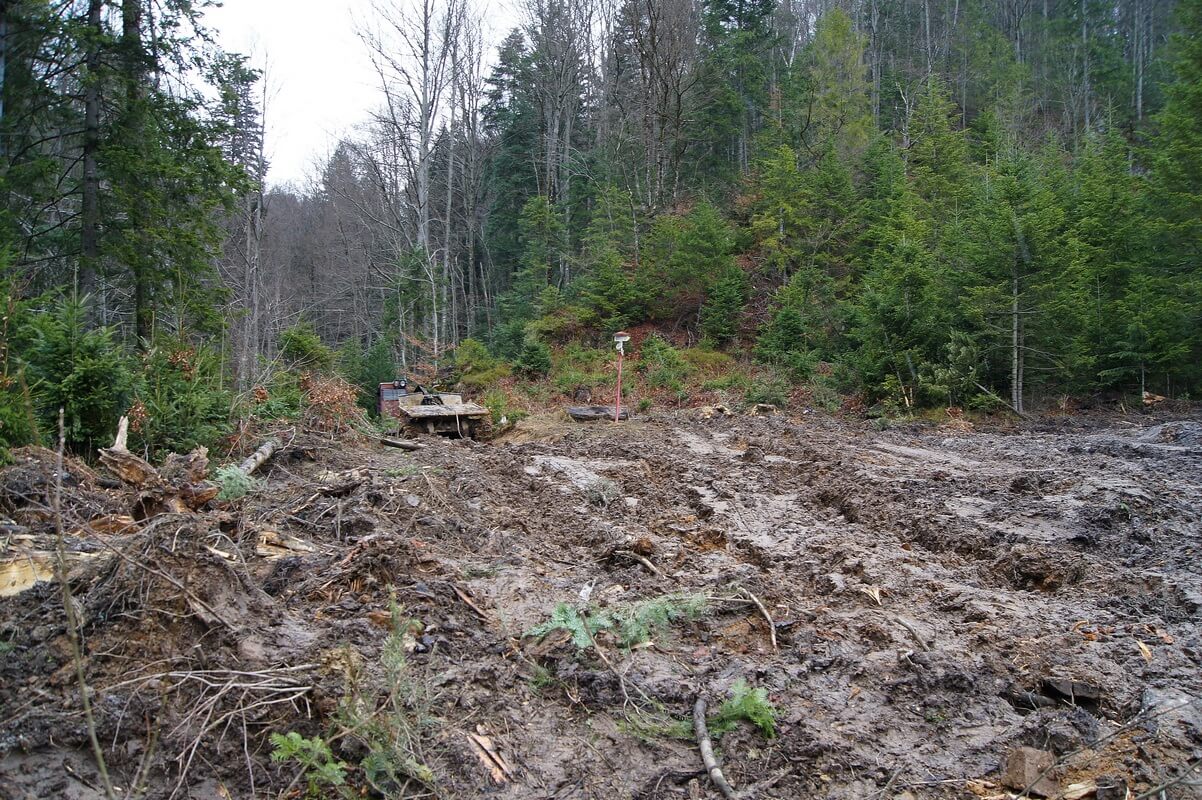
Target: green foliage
(302, 349)
(663, 364)
(745, 703)
(772, 390)
(81, 370)
(367, 369)
(841, 114)
(534, 360)
(643, 621)
(322, 771)
(235, 484)
(389, 718)
(723, 307)
(475, 367)
(183, 402)
(683, 258)
(577, 365)
(783, 342)
(17, 427)
(608, 289)
(499, 407)
(17, 424)
(630, 624)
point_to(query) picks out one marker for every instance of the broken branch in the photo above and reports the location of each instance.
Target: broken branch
(707, 751)
(767, 617)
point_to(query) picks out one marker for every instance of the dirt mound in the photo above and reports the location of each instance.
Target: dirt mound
(868, 614)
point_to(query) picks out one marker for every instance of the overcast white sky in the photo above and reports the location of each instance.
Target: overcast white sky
(320, 80)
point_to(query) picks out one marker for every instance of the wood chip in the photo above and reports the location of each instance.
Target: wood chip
(493, 761)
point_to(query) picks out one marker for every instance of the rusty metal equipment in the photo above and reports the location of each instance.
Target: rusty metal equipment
(418, 409)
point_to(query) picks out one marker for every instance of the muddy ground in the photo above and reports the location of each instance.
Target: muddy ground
(940, 597)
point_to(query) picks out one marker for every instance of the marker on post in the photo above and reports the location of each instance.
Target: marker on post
(620, 338)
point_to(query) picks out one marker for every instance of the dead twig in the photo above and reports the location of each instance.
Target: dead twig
(462, 595)
(922, 645)
(642, 560)
(767, 617)
(72, 617)
(1159, 790)
(707, 751)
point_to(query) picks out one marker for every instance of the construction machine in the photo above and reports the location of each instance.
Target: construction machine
(418, 409)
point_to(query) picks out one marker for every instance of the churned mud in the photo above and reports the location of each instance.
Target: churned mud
(940, 597)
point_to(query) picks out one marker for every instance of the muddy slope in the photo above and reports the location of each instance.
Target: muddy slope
(939, 598)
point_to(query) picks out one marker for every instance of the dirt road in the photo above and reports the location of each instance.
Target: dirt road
(938, 597)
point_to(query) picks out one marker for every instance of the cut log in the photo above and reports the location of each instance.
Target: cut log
(257, 458)
(403, 444)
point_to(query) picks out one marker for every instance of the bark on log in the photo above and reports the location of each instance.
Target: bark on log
(265, 451)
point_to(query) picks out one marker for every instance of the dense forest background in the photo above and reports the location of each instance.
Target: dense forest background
(914, 202)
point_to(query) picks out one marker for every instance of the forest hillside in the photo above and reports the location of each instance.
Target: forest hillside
(888, 204)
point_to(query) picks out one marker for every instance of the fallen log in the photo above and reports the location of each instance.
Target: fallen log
(403, 444)
(257, 458)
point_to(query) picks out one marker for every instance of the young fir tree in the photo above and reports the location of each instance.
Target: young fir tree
(840, 108)
(1106, 250)
(607, 284)
(1013, 258)
(683, 259)
(903, 314)
(1176, 197)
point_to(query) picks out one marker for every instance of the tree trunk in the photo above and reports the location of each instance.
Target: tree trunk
(1016, 344)
(89, 226)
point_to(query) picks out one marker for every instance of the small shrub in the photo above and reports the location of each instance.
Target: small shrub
(389, 718)
(321, 770)
(772, 390)
(640, 622)
(367, 369)
(749, 704)
(17, 427)
(301, 348)
(498, 405)
(735, 381)
(644, 404)
(631, 624)
(180, 401)
(235, 483)
(723, 306)
(663, 364)
(534, 360)
(475, 367)
(708, 361)
(81, 370)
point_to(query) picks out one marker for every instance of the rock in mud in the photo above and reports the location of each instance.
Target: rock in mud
(1026, 767)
